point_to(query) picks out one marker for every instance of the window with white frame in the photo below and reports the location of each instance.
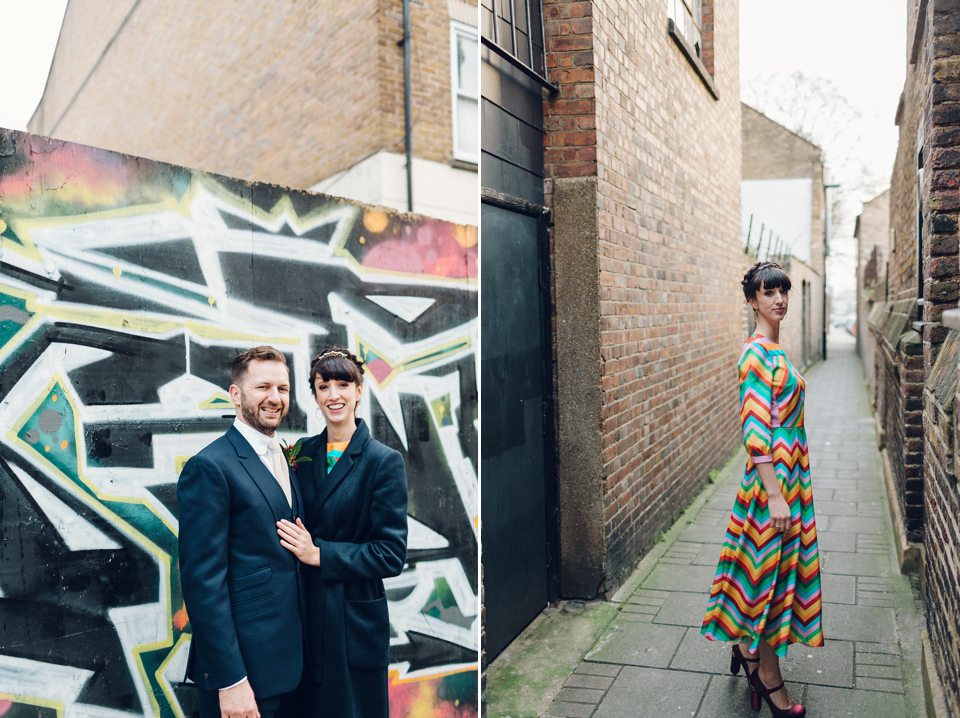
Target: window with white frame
(687, 16)
(465, 77)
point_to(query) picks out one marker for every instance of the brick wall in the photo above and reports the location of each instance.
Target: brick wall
(941, 207)
(924, 253)
(662, 157)
(900, 381)
(249, 88)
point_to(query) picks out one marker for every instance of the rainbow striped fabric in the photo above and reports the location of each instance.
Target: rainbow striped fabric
(768, 585)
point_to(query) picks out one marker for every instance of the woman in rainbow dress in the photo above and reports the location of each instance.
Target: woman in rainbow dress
(766, 594)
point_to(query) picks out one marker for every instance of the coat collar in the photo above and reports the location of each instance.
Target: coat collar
(264, 480)
(328, 482)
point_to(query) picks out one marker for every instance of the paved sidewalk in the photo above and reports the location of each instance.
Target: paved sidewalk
(652, 661)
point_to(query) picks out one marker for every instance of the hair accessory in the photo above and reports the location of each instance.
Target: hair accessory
(332, 354)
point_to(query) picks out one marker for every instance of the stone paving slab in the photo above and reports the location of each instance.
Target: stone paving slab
(652, 693)
(825, 701)
(637, 644)
(683, 609)
(859, 623)
(855, 563)
(838, 589)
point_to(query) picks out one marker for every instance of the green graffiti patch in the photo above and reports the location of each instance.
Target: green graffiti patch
(51, 431)
(13, 315)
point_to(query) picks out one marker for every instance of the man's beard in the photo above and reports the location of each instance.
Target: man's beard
(251, 414)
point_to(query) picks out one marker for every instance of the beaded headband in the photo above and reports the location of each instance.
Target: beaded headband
(332, 354)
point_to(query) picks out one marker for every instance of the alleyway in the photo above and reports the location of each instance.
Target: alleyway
(652, 661)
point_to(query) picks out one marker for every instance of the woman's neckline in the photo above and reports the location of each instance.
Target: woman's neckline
(756, 335)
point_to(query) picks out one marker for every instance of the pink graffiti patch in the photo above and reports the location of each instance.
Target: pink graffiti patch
(433, 249)
(380, 369)
(5, 706)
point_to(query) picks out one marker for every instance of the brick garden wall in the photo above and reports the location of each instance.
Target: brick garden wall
(248, 88)
(634, 123)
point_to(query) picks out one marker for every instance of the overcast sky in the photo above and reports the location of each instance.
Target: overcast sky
(857, 45)
(30, 35)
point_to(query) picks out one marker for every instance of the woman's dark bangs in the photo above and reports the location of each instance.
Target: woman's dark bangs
(336, 369)
(773, 278)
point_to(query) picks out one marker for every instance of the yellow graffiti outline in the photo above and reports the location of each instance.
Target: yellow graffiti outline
(158, 675)
(162, 558)
(23, 226)
(284, 207)
(414, 360)
(217, 400)
(24, 699)
(127, 321)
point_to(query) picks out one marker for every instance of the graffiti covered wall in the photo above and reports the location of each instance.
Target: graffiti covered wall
(126, 288)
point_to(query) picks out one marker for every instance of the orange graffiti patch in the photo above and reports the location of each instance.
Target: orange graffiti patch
(375, 221)
(180, 619)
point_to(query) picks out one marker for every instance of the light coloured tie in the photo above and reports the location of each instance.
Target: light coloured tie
(280, 468)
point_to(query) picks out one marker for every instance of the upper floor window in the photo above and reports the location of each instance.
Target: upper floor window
(513, 29)
(687, 16)
(690, 24)
(465, 77)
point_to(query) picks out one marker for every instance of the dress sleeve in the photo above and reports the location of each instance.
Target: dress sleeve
(756, 402)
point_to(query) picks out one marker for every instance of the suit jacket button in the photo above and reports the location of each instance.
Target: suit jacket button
(207, 676)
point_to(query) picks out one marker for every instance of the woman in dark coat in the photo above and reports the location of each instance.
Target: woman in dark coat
(352, 535)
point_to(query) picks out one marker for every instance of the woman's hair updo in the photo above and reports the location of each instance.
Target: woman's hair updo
(764, 275)
(335, 364)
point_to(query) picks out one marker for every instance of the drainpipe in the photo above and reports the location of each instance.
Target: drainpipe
(826, 253)
(408, 128)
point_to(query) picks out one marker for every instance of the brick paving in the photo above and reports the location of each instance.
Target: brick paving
(652, 661)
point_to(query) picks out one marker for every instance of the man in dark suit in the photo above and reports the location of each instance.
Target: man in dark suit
(241, 588)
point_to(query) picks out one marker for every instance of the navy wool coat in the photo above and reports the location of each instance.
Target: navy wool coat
(357, 516)
(241, 588)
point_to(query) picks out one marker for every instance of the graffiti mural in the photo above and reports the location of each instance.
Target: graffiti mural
(126, 289)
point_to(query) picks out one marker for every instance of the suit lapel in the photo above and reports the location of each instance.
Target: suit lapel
(264, 480)
(329, 482)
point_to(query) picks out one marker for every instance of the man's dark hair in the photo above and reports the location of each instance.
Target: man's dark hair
(261, 353)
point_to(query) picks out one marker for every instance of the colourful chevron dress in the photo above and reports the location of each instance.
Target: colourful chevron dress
(768, 585)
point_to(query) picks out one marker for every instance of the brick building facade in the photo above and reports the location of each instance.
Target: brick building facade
(642, 163)
(308, 97)
(619, 127)
(783, 214)
(917, 340)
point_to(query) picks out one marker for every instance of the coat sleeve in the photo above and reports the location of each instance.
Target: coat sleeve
(756, 402)
(203, 501)
(385, 552)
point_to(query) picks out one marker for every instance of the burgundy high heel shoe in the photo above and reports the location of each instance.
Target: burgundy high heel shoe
(737, 659)
(761, 691)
